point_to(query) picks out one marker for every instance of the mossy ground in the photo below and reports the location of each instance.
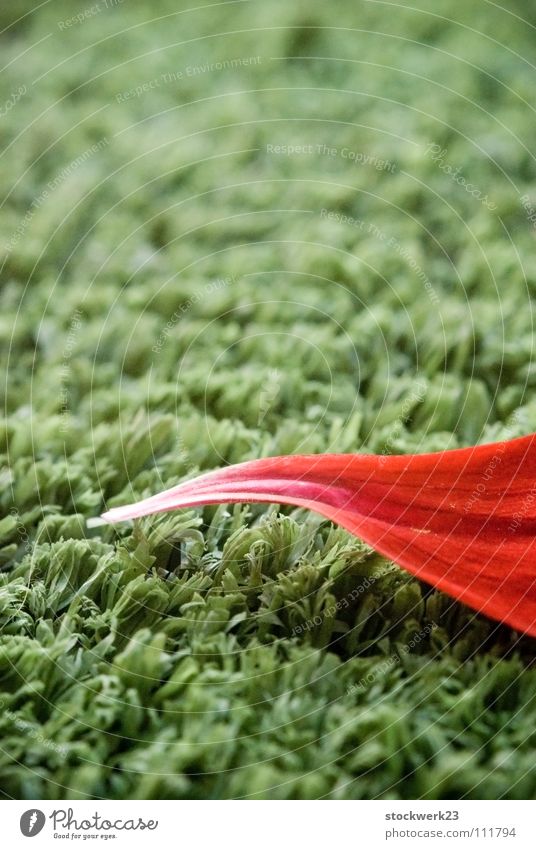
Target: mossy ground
(177, 294)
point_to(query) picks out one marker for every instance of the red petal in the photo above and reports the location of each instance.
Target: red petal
(463, 520)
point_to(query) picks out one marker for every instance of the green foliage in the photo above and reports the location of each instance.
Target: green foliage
(181, 299)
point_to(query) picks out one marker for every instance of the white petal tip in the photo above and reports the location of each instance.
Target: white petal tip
(96, 522)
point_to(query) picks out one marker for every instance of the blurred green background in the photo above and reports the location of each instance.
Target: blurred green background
(244, 229)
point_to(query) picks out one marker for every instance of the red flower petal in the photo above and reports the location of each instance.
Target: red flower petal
(463, 520)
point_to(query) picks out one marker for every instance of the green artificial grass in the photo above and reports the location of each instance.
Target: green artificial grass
(181, 291)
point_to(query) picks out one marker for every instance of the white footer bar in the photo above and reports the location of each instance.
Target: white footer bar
(270, 825)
